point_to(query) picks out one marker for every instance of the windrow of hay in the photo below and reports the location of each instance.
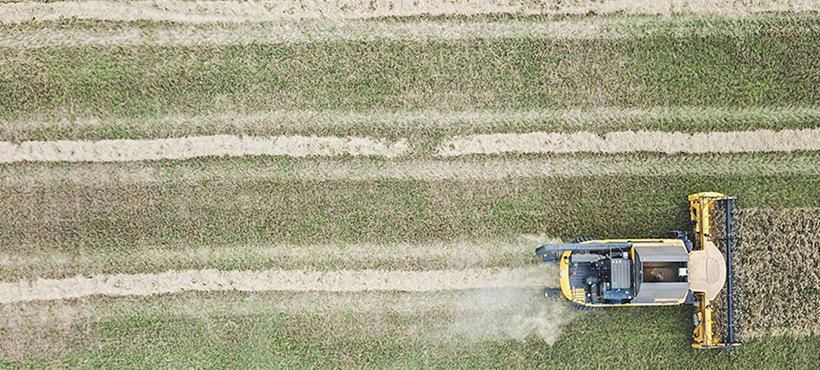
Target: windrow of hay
(780, 278)
(261, 11)
(124, 150)
(321, 31)
(96, 33)
(270, 280)
(634, 141)
(193, 147)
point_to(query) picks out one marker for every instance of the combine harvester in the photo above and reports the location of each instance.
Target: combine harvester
(702, 271)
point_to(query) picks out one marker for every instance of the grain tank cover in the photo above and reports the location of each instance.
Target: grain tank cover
(655, 293)
(662, 253)
(662, 276)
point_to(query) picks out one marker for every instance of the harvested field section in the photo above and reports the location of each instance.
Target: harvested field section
(270, 280)
(364, 315)
(370, 169)
(766, 68)
(781, 252)
(509, 252)
(65, 216)
(260, 11)
(374, 328)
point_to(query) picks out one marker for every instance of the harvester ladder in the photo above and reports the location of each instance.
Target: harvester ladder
(579, 295)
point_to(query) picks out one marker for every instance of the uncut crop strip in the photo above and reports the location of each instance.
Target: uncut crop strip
(268, 280)
(253, 11)
(193, 147)
(780, 254)
(634, 141)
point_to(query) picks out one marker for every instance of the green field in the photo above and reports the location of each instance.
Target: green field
(420, 80)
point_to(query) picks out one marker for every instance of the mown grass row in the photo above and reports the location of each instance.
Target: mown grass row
(388, 337)
(765, 67)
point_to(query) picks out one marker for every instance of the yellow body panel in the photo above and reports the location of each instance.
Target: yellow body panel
(563, 276)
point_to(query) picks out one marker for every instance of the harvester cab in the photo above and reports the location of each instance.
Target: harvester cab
(698, 267)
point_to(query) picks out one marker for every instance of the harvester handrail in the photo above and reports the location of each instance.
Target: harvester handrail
(563, 247)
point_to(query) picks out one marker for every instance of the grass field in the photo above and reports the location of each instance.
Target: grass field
(361, 185)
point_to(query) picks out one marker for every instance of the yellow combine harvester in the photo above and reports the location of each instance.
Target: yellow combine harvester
(701, 271)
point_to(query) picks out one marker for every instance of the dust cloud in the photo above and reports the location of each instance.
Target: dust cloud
(512, 312)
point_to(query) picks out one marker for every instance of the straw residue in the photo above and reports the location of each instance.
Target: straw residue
(322, 31)
(194, 147)
(634, 141)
